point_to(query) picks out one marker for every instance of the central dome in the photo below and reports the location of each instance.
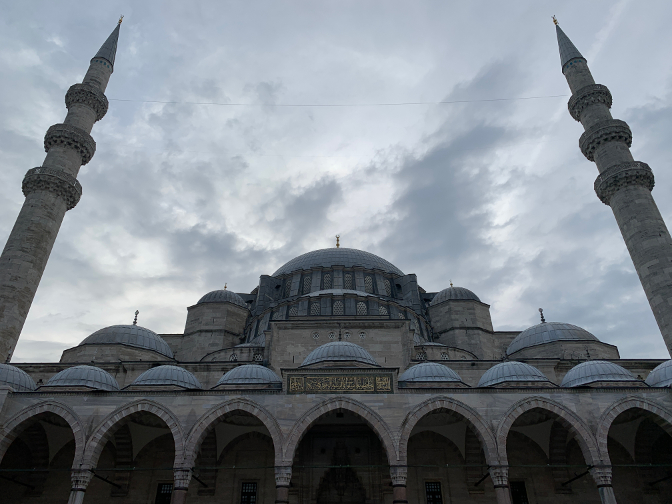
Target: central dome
(348, 258)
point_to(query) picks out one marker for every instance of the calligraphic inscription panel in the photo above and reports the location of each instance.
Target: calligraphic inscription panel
(340, 384)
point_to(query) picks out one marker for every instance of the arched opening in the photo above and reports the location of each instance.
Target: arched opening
(37, 463)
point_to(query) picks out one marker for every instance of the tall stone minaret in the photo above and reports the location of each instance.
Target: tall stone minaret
(623, 183)
(51, 190)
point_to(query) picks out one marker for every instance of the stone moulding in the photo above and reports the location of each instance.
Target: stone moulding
(67, 135)
(87, 95)
(612, 130)
(616, 177)
(56, 181)
(587, 96)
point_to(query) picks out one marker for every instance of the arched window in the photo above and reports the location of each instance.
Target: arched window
(382, 310)
(388, 288)
(307, 281)
(347, 281)
(402, 315)
(315, 308)
(288, 287)
(327, 281)
(368, 284)
(361, 308)
(294, 310)
(338, 307)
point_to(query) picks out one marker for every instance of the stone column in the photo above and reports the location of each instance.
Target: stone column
(182, 477)
(283, 476)
(602, 477)
(500, 480)
(399, 475)
(80, 480)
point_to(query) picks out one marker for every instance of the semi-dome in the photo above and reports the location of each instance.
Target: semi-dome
(339, 351)
(16, 378)
(222, 296)
(168, 376)
(430, 372)
(547, 332)
(661, 376)
(129, 335)
(596, 371)
(348, 258)
(511, 372)
(250, 374)
(84, 376)
(454, 294)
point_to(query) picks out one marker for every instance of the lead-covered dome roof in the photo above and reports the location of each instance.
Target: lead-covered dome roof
(250, 374)
(223, 296)
(511, 371)
(596, 371)
(339, 351)
(129, 335)
(547, 332)
(429, 372)
(168, 376)
(661, 376)
(346, 257)
(16, 378)
(454, 294)
(84, 376)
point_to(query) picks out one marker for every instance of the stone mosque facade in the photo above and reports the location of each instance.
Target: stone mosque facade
(338, 378)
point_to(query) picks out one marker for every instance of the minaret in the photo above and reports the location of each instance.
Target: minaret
(623, 183)
(51, 190)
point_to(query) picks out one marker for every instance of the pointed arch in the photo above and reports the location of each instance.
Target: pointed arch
(373, 419)
(470, 415)
(102, 433)
(570, 420)
(207, 421)
(12, 429)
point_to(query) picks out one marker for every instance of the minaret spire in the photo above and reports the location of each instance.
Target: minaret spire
(51, 190)
(623, 183)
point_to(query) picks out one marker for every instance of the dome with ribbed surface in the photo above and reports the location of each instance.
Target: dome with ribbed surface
(16, 378)
(249, 374)
(84, 376)
(348, 258)
(168, 376)
(661, 376)
(596, 371)
(339, 351)
(429, 372)
(547, 332)
(223, 296)
(454, 294)
(129, 335)
(511, 372)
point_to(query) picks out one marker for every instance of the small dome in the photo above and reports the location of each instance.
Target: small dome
(168, 375)
(84, 376)
(661, 376)
(223, 296)
(596, 371)
(250, 374)
(547, 332)
(511, 371)
(339, 351)
(430, 372)
(454, 294)
(129, 335)
(346, 257)
(16, 378)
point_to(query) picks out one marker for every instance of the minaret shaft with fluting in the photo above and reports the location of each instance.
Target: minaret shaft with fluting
(623, 183)
(51, 190)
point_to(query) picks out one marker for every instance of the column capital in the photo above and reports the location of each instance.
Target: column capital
(80, 479)
(182, 477)
(283, 475)
(602, 476)
(499, 476)
(399, 475)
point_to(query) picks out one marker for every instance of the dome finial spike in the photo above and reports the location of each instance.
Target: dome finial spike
(338, 237)
(451, 283)
(225, 286)
(135, 320)
(541, 312)
(121, 18)
(555, 21)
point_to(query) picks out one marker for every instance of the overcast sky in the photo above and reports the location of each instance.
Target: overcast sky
(226, 183)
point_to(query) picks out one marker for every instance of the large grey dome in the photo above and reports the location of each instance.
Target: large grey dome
(661, 376)
(348, 258)
(84, 376)
(129, 335)
(596, 371)
(16, 378)
(511, 371)
(547, 332)
(249, 374)
(168, 375)
(339, 351)
(430, 372)
(454, 293)
(221, 296)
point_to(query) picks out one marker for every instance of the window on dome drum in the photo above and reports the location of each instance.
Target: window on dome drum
(347, 335)
(402, 315)
(294, 310)
(368, 284)
(233, 358)
(420, 356)
(277, 315)
(258, 357)
(337, 309)
(433, 492)
(332, 335)
(316, 335)
(388, 288)
(327, 281)
(361, 308)
(248, 493)
(164, 493)
(444, 356)
(362, 335)
(518, 492)
(347, 281)
(288, 287)
(315, 308)
(382, 310)
(307, 281)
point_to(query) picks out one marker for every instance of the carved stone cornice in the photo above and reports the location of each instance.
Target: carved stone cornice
(587, 96)
(182, 477)
(283, 475)
(56, 181)
(87, 95)
(67, 135)
(612, 130)
(616, 177)
(399, 474)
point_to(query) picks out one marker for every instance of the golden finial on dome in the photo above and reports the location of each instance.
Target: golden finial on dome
(338, 237)
(225, 286)
(451, 283)
(555, 21)
(121, 18)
